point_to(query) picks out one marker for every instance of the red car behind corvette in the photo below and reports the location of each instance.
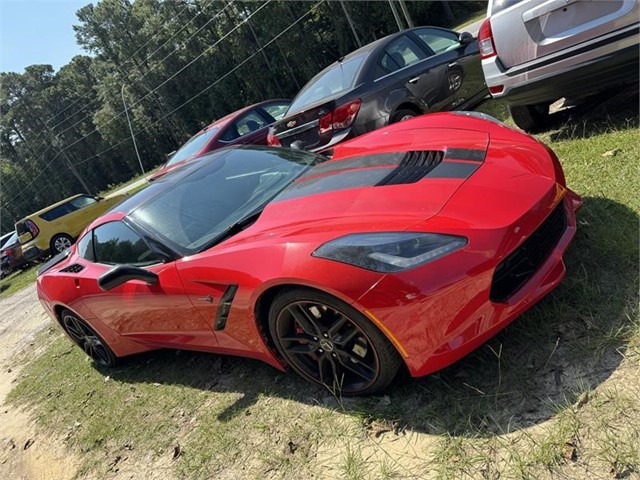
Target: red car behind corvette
(247, 126)
(413, 245)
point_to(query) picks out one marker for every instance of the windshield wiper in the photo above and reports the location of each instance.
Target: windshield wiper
(235, 228)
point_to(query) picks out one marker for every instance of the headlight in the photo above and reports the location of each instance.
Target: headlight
(389, 252)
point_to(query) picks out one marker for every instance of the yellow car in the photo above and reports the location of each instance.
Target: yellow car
(55, 228)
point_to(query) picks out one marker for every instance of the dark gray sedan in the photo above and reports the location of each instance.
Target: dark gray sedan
(415, 71)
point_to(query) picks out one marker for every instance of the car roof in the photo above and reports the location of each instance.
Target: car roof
(231, 116)
(57, 204)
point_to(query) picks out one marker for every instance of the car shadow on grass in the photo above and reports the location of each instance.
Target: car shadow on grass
(569, 343)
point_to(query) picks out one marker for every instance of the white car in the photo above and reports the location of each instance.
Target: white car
(535, 52)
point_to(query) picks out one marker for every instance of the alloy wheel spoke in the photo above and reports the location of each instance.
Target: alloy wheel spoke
(323, 362)
(304, 319)
(74, 329)
(301, 349)
(335, 328)
(358, 367)
(344, 340)
(303, 337)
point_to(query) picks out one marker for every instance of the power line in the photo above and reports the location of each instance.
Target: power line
(147, 58)
(208, 87)
(186, 102)
(165, 26)
(157, 87)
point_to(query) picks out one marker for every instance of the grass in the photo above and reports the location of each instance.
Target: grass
(17, 281)
(555, 395)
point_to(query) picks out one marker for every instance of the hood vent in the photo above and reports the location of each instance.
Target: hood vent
(75, 268)
(413, 167)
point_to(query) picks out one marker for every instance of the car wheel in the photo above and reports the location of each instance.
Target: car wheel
(330, 343)
(530, 118)
(87, 339)
(60, 243)
(402, 115)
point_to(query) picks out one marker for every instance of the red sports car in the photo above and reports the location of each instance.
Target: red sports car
(414, 244)
(247, 126)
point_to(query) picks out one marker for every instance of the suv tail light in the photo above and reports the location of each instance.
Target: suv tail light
(341, 117)
(33, 228)
(273, 140)
(485, 40)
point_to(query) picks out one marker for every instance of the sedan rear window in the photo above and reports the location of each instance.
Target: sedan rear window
(336, 79)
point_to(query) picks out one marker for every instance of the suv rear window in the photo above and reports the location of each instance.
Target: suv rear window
(498, 5)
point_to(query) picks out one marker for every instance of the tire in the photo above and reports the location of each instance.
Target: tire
(530, 118)
(60, 242)
(402, 115)
(87, 339)
(329, 343)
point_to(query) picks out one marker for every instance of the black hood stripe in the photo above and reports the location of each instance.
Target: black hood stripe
(471, 154)
(380, 170)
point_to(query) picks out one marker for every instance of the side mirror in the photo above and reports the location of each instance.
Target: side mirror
(98, 198)
(466, 38)
(25, 237)
(123, 273)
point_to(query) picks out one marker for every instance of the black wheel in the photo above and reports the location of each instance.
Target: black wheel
(530, 118)
(87, 339)
(402, 115)
(60, 243)
(330, 343)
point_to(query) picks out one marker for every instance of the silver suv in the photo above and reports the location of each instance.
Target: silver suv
(535, 52)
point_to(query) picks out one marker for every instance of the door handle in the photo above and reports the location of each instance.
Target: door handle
(414, 80)
(452, 64)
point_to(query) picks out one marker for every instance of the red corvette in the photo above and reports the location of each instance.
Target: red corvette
(414, 244)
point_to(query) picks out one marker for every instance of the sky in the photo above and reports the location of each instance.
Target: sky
(37, 31)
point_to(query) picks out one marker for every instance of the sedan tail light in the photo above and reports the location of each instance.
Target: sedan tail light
(341, 117)
(485, 40)
(7, 252)
(273, 140)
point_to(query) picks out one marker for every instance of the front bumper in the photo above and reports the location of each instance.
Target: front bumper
(577, 72)
(437, 314)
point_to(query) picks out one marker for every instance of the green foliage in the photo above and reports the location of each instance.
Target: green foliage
(66, 132)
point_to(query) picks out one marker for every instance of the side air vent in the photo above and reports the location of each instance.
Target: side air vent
(413, 167)
(224, 306)
(75, 268)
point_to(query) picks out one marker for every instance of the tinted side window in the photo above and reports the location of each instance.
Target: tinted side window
(114, 243)
(59, 211)
(251, 122)
(85, 247)
(276, 110)
(400, 53)
(82, 202)
(437, 40)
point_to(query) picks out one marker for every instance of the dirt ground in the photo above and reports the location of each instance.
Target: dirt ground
(25, 453)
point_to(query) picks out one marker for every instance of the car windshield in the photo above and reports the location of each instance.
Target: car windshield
(235, 184)
(193, 146)
(336, 79)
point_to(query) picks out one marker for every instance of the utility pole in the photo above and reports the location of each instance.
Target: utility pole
(56, 143)
(405, 10)
(133, 138)
(396, 15)
(353, 28)
(264, 55)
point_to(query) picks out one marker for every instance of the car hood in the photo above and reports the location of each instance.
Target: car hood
(389, 190)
